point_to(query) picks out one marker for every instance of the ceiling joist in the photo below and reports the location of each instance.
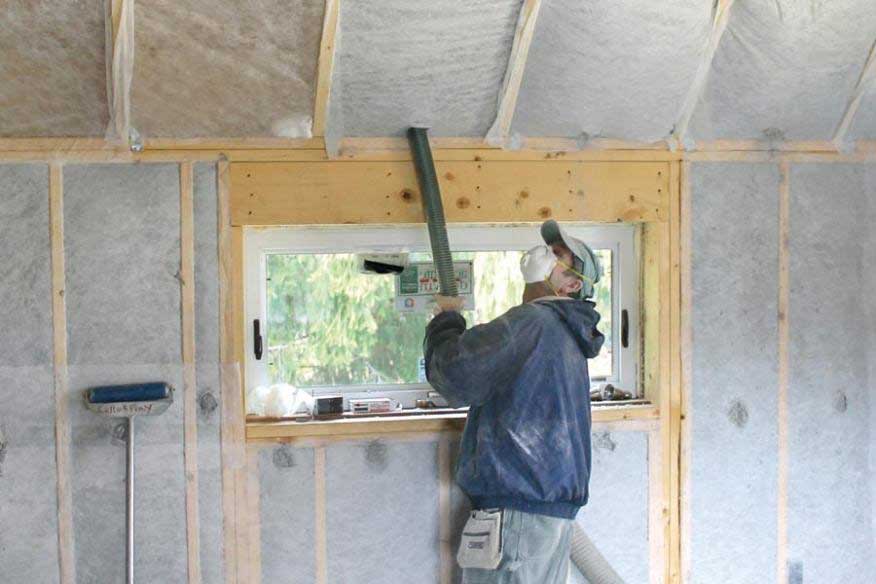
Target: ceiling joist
(865, 81)
(326, 67)
(120, 68)
(501, 128)
(720, 18)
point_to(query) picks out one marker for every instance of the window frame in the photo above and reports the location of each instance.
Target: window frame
(626, 286)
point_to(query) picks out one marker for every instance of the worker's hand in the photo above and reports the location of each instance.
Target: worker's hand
(448, 304)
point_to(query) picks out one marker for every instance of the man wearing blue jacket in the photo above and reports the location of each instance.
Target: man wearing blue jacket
(525, 455)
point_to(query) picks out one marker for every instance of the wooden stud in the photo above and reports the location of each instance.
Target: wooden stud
(228, 380)
(818, 146)
(674, 301)
(255, 523)
(686, 356)
(501, 127)
(656, 511)
(445, 537)
(245, 566)
(76, 150)
(320, 510)
(866, 80)
(783, 372)
(326, 66)
(66, 559)
(664, 384)
(720, 18)
(222, 144)
(190, 386)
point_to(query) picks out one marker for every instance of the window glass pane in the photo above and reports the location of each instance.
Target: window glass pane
(327, 324)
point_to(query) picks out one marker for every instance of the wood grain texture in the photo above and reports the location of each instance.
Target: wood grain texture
(190, 386)
(686, 357)
(320, 509)
(228, 379)
(784, 372)
(501, 128)
(311, 193)
(66, 559)
(326, 66)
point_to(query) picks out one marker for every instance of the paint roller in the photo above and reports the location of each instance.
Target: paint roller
(129, 401)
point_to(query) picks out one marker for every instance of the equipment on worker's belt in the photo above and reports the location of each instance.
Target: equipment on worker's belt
(129, 401)
(481, 543)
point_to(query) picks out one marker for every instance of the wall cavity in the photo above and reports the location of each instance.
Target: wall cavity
(28, 507)
(123, 313)
(734, 365)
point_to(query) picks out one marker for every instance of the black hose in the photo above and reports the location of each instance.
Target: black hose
(433, 209)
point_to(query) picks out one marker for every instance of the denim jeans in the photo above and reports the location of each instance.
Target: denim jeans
(535, 551)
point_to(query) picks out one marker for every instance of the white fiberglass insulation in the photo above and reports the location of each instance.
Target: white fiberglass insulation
(52, 69)
(213, 68)
(864, 125)
(610, 69)
(785, 69)
(438, 63)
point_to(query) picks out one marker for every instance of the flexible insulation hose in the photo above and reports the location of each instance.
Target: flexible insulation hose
(589, 561)
(433, 208)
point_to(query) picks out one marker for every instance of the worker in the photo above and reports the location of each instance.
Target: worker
(525, 455)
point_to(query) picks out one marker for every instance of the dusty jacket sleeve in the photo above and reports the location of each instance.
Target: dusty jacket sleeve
(465, 366)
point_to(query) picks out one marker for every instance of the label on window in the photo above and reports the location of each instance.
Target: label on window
(417, 286)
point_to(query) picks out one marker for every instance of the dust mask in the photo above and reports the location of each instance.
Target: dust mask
(537, 264)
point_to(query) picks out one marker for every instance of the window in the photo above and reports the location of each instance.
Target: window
(330, 329)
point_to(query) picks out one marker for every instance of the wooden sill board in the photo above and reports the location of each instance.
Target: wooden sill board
(273, 430)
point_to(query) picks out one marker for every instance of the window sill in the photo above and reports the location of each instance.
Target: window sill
(259, 429)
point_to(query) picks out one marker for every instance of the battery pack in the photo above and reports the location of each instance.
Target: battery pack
(373, 405)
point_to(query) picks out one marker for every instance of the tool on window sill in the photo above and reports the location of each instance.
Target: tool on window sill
(328, 406)
(130, 401)
(371, 405)
(608, 392)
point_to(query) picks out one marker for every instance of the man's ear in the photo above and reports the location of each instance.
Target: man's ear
(572, 287)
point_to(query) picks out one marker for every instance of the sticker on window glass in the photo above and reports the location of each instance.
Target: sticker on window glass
(418, 284)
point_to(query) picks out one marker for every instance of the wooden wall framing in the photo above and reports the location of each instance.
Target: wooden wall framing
(664, 240)
(479, 190)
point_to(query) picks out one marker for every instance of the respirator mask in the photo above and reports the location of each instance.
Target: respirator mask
(537, 265)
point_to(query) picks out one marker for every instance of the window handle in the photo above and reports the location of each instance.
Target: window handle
(625, 328)
(257, 338)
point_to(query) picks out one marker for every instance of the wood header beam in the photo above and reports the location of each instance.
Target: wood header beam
(344, 192)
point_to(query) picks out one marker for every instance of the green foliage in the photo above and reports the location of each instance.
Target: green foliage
(329, 325)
